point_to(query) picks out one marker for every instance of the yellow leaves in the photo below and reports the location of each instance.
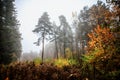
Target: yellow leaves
(61, 62)
(68, 53)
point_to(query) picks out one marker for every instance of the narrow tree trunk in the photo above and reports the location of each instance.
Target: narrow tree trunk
(43, 48)
(64, 50)
(56, 48)
(82, 47)
(94, 71)
(60, 48)
(72, 49)
(64, 45)
(77, 52)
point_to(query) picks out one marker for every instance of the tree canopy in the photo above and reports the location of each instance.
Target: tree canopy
(10, 37)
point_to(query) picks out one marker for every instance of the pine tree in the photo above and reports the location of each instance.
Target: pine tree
(44, 30)
(10, 46)
(66, 36)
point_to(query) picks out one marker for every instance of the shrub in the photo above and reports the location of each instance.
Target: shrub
(37, 61)
(29, 71)
(61, 62)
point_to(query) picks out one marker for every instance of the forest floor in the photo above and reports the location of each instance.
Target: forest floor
(45, 71)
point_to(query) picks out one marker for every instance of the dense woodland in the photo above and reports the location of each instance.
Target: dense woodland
(10, 37)
(89, 49)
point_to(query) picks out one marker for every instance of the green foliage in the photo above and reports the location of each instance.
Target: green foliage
(44, 29)
(90, 58)
(65, 62)
(65, 35)
(61, 62)
(101, 54)
(10, 38)
(73, 61)
(37, 61)
(68, 53)
(57, 62)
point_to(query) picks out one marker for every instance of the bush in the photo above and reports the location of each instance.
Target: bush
(65, 62)
(29, 71)
(37, 61)
(61, 62)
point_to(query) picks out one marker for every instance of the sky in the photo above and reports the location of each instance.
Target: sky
(29, 11)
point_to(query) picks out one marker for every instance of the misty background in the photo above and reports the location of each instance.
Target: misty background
(29, 11)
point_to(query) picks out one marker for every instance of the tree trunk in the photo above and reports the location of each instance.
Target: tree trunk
(64, 48)
(72, 55)
(56, 52)
(43, 48)
(76, 45)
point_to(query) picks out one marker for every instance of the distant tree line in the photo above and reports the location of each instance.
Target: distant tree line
(29, 56)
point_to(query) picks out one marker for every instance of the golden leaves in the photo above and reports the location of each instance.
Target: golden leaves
(101, 44)
(100, 37)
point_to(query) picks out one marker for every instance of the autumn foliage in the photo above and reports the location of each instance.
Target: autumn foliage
(101, 55)
(101, 37)
(31, 71)
(102, 41)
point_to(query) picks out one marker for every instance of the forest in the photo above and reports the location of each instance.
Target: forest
(89, 49)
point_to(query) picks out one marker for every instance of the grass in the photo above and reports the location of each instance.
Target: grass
(57, 62)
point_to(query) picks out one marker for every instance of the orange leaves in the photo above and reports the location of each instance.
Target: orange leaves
(100, 37)
(101, 44)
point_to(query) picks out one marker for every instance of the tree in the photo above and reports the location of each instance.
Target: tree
(102, 52)
(98, 41)
(114, 15)
(84, 28)
(55, 39)
(98, 14)
(66, 35)
(10, 38)
(114, 2)
(44, 30)
(87, 20)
